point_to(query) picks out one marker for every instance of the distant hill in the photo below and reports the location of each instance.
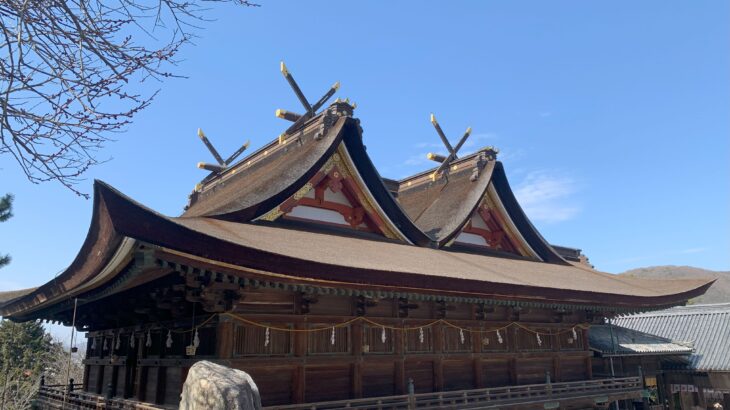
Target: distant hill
(718, 292)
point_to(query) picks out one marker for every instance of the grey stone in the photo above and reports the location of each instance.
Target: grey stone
(215, 387)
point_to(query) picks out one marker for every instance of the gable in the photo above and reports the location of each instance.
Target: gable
(335, 196)
(490, 227)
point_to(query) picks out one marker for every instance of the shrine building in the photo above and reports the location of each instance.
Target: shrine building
(326, 282)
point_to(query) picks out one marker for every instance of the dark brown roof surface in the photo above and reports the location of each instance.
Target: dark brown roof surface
(11, 295)
(101, 243)
(308, 256)
(331, 257)
(246, 191)
(217, 225)
(441, 208)
(412, 266)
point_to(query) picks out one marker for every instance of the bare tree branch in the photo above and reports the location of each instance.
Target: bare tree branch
(72, 74)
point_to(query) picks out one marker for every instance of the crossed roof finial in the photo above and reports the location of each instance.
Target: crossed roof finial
(310, 109)
(453, 151)
(222, 164)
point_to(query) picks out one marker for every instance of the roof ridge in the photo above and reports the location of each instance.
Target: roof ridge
(458, 161)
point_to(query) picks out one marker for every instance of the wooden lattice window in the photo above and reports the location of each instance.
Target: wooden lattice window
(373, 340)
(529, 341)
(570, 341)
(419, 340)
(456, 340)
(253, 341)
(322, 342)
(493, 342)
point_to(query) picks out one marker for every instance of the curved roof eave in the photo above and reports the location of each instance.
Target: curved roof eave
(102, 248)
(520, 219)
(374, 182)
(221, 241)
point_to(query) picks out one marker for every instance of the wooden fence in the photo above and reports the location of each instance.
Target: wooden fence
(487, 398)
(600, 391)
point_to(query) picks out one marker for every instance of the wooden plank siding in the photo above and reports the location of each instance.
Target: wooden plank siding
(362, 360)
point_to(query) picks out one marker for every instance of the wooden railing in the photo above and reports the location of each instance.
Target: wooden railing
(59, 397)
(485, 398)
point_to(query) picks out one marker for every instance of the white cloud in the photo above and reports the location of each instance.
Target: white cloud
(693, 250)
(546, 197)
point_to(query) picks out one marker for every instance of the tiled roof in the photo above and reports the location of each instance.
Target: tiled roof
(707, 327)
(621, 341)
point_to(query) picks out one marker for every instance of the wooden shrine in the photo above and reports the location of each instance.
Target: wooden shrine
(324, 281)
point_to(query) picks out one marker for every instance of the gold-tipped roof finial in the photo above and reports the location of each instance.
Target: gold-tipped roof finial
(310, 109)
(222, 164)
(453, 151)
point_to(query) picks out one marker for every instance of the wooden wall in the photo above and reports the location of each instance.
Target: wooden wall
(306, 366)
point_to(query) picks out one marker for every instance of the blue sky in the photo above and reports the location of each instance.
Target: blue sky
(613, 118)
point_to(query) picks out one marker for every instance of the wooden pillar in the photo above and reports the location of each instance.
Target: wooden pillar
(141, 384)
(513, 371)
(86, 378)
(300, 350)
(589, 367)
(161, 384)
(356, 368)
(99, 388)
(399, 374)
(298, 385)
(478, 373)
(115, 380)
(476, 344)
(438, 369)
(557, 376)
(224, 339)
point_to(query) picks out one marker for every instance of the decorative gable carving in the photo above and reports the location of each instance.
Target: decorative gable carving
(485, 228)
(334, 196)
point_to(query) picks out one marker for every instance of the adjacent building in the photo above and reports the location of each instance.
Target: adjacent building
(704, 379)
